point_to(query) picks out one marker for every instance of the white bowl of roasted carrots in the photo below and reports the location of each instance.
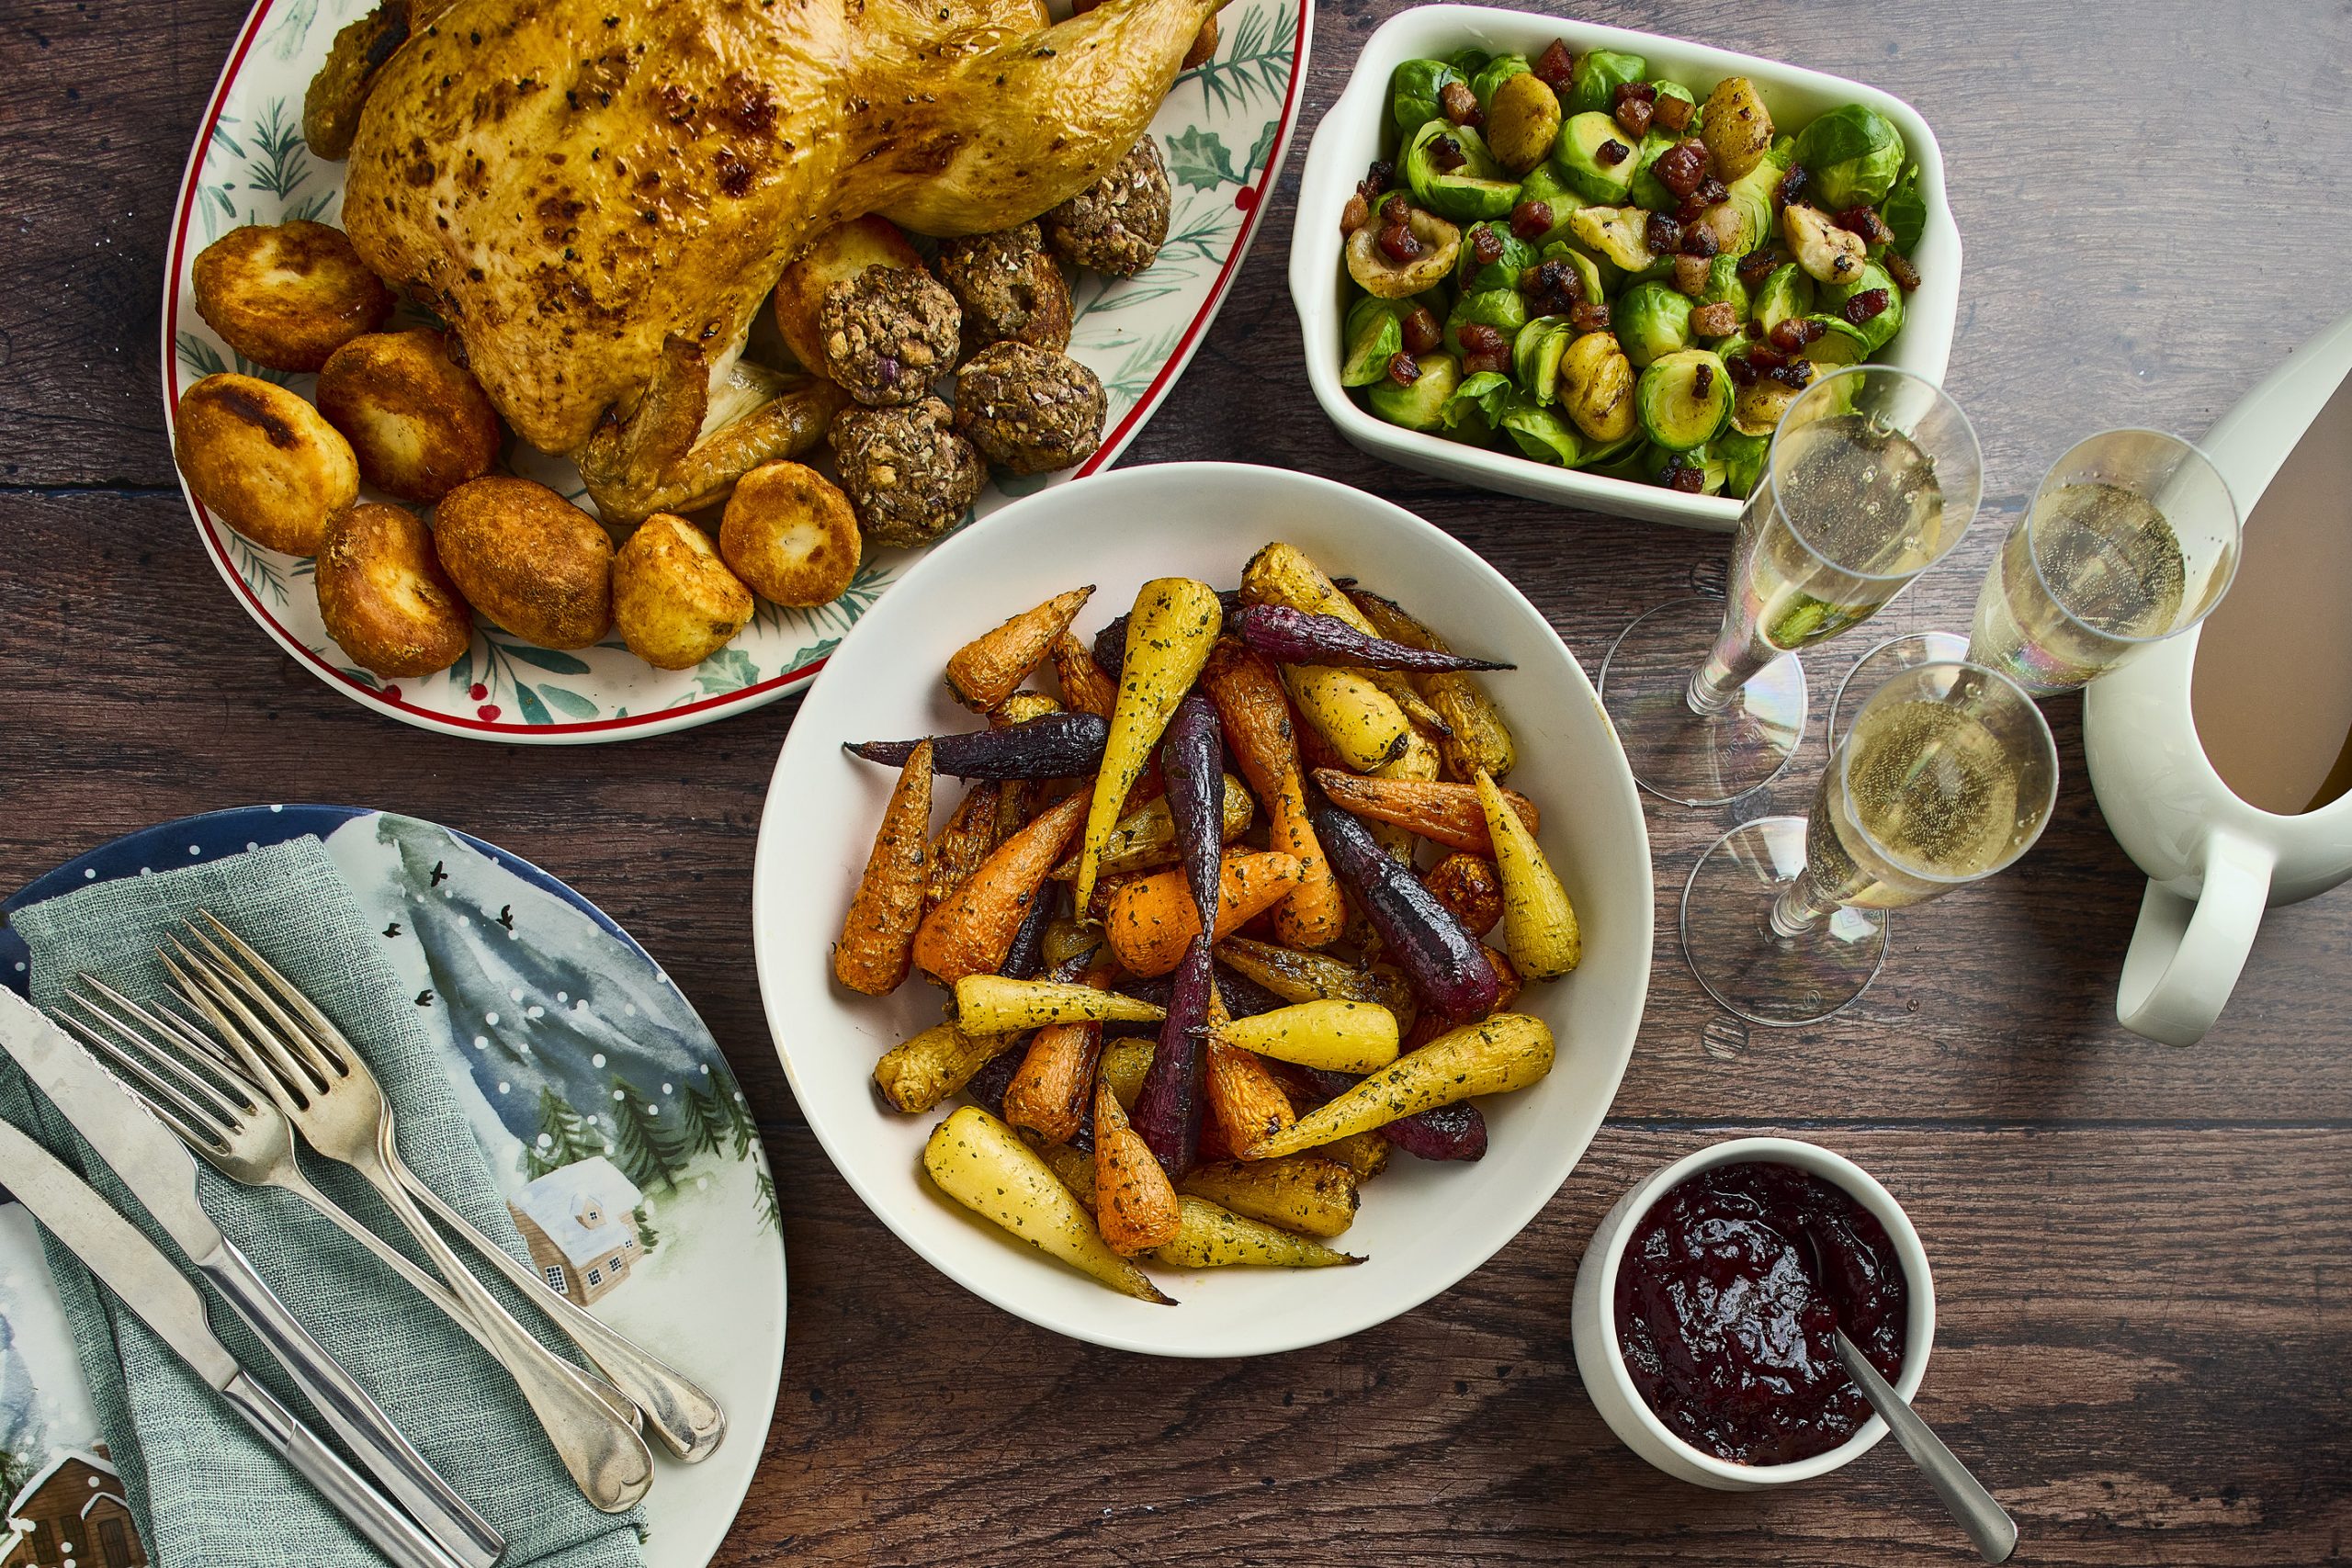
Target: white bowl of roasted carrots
(1203, 911)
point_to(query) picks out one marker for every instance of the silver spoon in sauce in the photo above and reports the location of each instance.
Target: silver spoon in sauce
(1987, 1523)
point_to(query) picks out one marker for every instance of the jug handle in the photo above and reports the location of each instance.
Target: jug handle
(2185, 954)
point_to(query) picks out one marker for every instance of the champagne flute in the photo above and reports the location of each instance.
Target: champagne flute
(2133, 537)
(1874, 474)
(1946, 775)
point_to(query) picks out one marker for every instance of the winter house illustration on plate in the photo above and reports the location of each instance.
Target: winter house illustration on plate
(71, 1515)
(579, 1222)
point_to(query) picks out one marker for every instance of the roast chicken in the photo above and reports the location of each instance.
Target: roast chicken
(597, 194)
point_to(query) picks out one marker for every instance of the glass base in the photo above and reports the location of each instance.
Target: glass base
(1748, 967)
(1690, 758)
(1883, 662)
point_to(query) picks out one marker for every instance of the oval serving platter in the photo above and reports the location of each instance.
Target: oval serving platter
(1222, 132)
(567, 1043)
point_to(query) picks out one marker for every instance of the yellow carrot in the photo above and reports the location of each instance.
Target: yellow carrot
(1539, 923)
(998, 1004)
(1507, 1051)
(983, 1164)
(1337, 1036)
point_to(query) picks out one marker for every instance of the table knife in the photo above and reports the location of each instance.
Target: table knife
(161, 1173)
(150, 1286)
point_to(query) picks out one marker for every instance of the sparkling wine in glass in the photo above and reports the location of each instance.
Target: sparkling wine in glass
(1946, 775)
(1873, 477)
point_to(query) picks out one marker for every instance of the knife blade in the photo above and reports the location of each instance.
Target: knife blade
(161, 1173)
(165, 1301)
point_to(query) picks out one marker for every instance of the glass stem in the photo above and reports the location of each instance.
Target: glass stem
(1729, 666)
(1798, 909)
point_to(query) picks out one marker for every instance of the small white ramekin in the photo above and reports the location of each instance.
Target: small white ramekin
(1594, 1320)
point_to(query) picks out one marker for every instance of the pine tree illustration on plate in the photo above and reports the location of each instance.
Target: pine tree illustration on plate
(565, 1138)
(646, 1151)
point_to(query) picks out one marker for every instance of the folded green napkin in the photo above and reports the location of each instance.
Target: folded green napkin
(205, 1491)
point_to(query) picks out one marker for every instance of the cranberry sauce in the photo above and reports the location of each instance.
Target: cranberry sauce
(1725, 1327)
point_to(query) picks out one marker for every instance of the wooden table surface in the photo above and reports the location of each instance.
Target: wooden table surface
(2140, 1253)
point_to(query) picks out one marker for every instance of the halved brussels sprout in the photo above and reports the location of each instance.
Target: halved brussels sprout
(1735, 126)
(1523, 122)
(1541, 434)
(1851, 156)
(1536, 355)
(1906, 211)
(1829, 253)
(1879, 328)
(1788, 292)
(1597, 387)
(1493, 73)
(1421, 406)
(1616, 232)
(1479, 398)
(1468, 62)
(1374, 334)
(1375, 273)
(1544, 184)
(1476, 188)
(1630, 457)
(1743, 218)
(1651, 321)
(1580, 160)
(1713, 470)
(1472, 277)
(1840, 344)
(1742, 460)
(1598, 74)
(1505, 309)
(1684, 398)
(1599, 278)
(1782, 153)
(1723, 288)
(1413, 94)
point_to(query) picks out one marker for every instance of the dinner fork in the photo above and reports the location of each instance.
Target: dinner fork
(306, 1066)
(218, 1116)
(688, 1421)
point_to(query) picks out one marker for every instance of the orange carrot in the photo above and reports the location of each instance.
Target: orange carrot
(1254, 712)
(1086, 687)
(879, 934)
(1053, 1086)
(1152, 920)
(1448, 813)
(971, 930)
(1134, 1203)
(1471, 888)
(963, 844)
(990, 667)
(1248, 1103)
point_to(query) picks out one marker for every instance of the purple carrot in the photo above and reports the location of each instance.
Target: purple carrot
(1296, 637)
(1167, 1108)
(1051, 746)
(1192, 758)
(1027, 954)
(1457, 1132)
(1444, 962)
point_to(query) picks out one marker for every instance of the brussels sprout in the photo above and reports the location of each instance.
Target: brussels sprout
(1684, 398)
(1375, 335)
(1493, 73)
(1472, 277)
(1597, 387)
(1743, 218)
(1723, 288)
(1541, 434)
(1735, 126)
(1599, 74)
(1376, 273)
(1666, 89)
(1662, 463)
(1580, 162)
(1536, 355)
(1647, 191)
(1651, 321)
(1788, 292)
(1906, 211)
(1742, 460)
(1829, 253)
(1595, 275)
(1616, 232)
(1544, 184)
(1413, 90)
(1475, 190)
(1523, 122)
(1840, 344)
(1421, 406)
(1505, 309)
(1782, 153)
(1879, 328)
(1629, 458)
(1468, 62)
(1480, 397)
(1851, 156)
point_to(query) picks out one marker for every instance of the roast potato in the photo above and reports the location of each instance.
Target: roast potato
(288, 295)
(837, 254)
(528, 559)
(674, 599)
(384, 596)
(263, 461)
(789, 532)
(418, 421)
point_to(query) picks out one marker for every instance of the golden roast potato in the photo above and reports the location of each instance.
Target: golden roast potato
(419, 422)
(527, 558)
(789, 532)
(263, 461)
(288, 295)
(834, 256)
(674, 599)
(384, 596)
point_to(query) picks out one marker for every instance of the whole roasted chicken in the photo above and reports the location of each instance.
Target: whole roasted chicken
(597, 195)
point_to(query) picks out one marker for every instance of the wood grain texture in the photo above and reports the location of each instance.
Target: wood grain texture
(2140, 1253)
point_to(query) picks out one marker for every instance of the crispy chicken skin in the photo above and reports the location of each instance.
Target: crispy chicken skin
(597, 195)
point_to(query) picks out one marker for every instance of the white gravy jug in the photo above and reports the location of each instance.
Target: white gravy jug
(2214, 860)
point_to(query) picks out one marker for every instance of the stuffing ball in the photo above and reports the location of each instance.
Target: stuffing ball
(888, 333)
(1008, 287)
(909, 476)
(1117, 224)
(1029, 410)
